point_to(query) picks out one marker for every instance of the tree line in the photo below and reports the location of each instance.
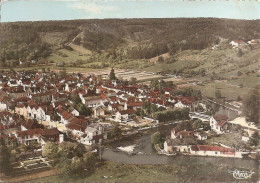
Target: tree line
(171, 115)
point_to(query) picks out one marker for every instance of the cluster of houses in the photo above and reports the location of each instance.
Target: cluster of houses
(241, 43)
(48, 99)
(192, 142)
(186, 142)
(17, 129)
(37, 107)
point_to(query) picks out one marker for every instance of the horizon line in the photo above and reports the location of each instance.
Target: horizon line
(25, 21)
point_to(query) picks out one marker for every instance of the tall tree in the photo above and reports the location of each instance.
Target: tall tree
(112, 75)
(251, 105)
(116, 132)
(218, 94)
(133, 81)
(254, 140)
(240, 53)
(5, 155)
(77, 99)
(155, 138)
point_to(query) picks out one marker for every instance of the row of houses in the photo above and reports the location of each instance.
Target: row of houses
(187, 142)
(241, 43)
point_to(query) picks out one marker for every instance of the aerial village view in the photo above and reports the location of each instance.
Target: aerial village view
(129, 100)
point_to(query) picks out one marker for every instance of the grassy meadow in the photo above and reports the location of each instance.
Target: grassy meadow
(115, 172)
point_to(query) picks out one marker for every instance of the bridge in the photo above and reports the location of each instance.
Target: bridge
(202, 117)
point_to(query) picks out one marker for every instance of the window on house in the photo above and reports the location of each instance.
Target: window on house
(216, 152)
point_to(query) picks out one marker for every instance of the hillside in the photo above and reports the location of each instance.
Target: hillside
(117, 39)
(178, 46)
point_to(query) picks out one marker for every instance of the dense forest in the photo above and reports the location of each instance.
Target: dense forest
(120, 38)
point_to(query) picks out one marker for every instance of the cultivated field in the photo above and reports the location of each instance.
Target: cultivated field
(125, 74)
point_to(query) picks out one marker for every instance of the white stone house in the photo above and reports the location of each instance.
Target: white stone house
(74, 112)
(98, 111)
(179, 104)
(217, 151)
(218, 123)
(94, 133)
(93, 101)
(124, 116)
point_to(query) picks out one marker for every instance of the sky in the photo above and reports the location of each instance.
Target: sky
(38, 10)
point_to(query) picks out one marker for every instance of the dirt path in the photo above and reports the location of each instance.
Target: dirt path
(30, 176)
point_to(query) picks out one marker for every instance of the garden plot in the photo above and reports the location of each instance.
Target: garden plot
(29, 167)
(139, 75)
(124, 74)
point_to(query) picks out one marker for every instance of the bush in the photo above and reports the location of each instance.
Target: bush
(239, 73)
(90, 160)
(50, 150)
(240, 53)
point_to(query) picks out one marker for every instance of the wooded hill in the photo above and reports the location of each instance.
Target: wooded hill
(119, 38)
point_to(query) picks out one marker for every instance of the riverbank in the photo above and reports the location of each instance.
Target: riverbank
(117, 172)
(156, 159)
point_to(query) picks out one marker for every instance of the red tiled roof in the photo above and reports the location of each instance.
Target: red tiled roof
(23, 99)
(50, 132)
(103, 96)
(135, 104)
(113, 99)
(31, 124)
(187, 100)
(211, 148)
(66, 115)
(75, 126)
(220, 117)
(116, 105)
(3, 136)
(239, 41)
(222, 123)
(29, 132)
(127, 112)
(39, 132)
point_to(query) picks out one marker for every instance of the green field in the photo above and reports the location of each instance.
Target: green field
(250, 80)
(115, 172)
(70, 56)
(228, 91)
(172, 66)
(229, 139)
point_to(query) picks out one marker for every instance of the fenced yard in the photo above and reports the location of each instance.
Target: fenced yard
(29, 169)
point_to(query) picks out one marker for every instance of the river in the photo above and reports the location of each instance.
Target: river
(144, 154)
